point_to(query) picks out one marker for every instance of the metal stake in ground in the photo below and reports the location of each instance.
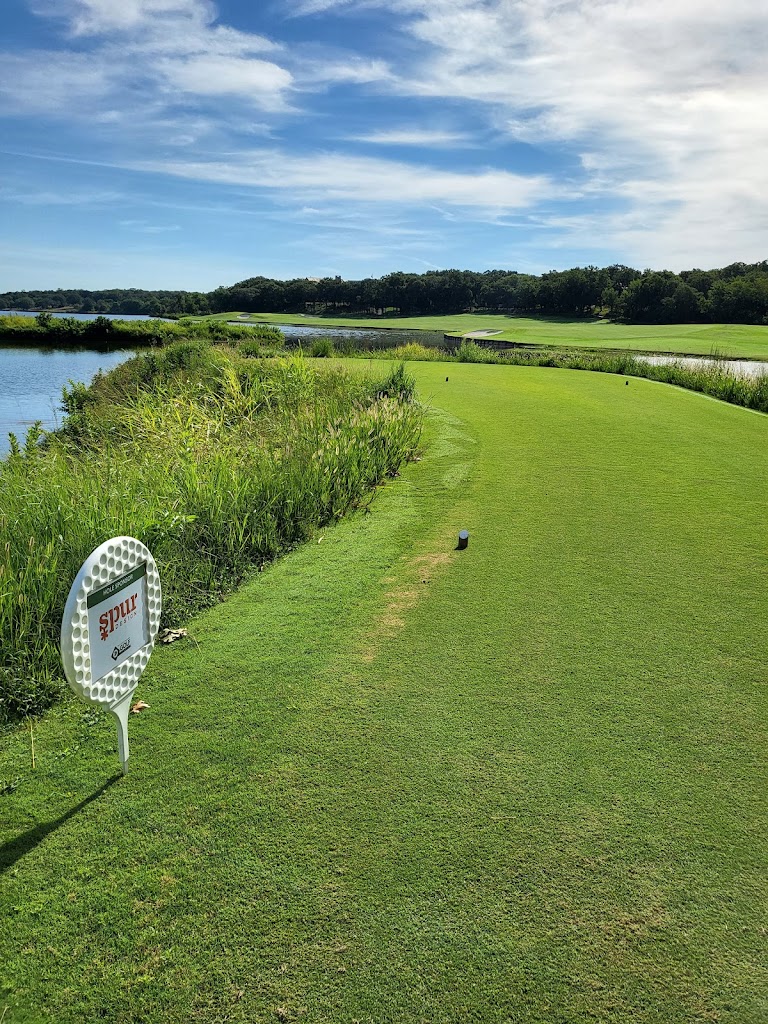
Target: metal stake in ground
(463, 539)
(109, 626)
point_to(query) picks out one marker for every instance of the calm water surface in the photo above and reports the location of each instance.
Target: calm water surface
(82, 316)
(380, 337)
(31, 380)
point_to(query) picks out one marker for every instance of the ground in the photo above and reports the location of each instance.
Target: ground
(390, 781)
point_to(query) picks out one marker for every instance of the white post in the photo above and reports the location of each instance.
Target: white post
(120, 711)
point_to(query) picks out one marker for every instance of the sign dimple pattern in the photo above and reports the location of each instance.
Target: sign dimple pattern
(109, 626)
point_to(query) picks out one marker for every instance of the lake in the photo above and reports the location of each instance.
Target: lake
(83, 316)
(31, 380)
(377, 336)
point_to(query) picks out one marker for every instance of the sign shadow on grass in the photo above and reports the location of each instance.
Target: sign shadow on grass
(16, 848)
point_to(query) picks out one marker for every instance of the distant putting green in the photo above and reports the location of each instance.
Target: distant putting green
(390, 781)
(738, 341)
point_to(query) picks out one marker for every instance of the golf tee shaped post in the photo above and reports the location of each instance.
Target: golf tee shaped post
(120, 711)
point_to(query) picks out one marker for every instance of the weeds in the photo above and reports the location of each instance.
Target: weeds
(322, 348)
(101, 332)
(217, 462)
(417, 352)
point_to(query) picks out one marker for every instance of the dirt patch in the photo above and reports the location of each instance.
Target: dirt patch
(402, 599)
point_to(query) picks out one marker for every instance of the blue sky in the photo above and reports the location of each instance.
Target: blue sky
(187, 143)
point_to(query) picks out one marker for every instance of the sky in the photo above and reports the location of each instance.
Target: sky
(192, 143)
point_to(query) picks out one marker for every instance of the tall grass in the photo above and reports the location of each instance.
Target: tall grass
(218, 463)
(414, 350)
(102, 332)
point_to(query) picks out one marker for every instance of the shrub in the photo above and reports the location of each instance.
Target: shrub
(413, 350)
(321, 348)
(470, 352)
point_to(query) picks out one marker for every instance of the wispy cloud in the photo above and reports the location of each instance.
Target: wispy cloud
(341, 176)
(635, 129)
(663, 101)
(423, 137)
(145, 228)
(47, 197)
(155, 54)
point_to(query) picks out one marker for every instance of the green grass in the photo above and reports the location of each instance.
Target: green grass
(392, 782)
(718, 379)
(738, 341)
(217, 462)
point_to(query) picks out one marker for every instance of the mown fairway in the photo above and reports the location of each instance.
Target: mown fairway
(740, 341)
(393, 782)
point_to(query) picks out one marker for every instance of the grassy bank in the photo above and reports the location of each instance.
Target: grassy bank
(217, 462)
(716, 378)
(737, 341)
(102, 332)
(392, 782)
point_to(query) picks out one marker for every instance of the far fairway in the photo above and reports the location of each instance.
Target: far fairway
(737, 341)
(390, 781)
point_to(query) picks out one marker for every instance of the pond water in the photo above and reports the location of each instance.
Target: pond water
(378, 337)
(31, 380)
(82, 316)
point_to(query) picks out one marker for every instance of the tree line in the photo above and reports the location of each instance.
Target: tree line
(737, 293)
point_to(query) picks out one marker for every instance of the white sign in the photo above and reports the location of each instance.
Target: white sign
(117, 620)
(109, 626)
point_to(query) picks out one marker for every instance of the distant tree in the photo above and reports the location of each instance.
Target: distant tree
(642, 299)
(740, 300)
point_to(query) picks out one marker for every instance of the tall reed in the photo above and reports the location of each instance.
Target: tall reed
(103, 333)
(218, 463)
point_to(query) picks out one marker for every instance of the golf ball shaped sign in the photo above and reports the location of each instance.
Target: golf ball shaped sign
(111, 618)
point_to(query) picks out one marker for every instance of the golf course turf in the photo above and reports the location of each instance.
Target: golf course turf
(737, 341)
(390, 781)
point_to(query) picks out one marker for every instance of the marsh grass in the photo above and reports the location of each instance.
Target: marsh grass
(414, 350)
(322, 348)
(102, 332)
(216, 462)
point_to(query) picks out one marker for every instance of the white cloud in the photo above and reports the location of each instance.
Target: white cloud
(414, 137)
(147, 53)
(258, 81)
(49, 83)
(47, 197)
(334, 176)
(145, 228)
(95, 17)
(662, 102)
(333, 70)
(664, 99)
